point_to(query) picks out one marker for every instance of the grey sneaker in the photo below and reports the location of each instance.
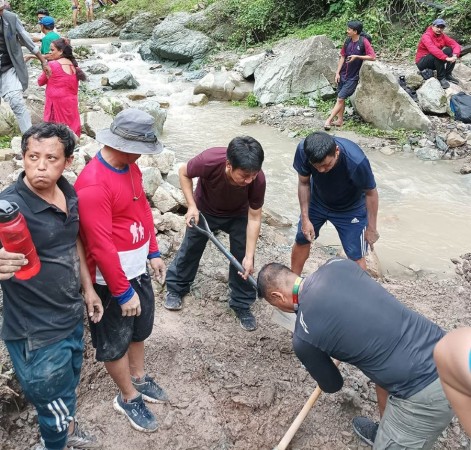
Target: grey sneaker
(150, 390)
(81, 438)
(444, 84)
(452, 79)
(173, 302)
(246, 318)
(138, 414)
(366, 429)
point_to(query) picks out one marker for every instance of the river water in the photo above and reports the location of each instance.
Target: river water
(425, 208)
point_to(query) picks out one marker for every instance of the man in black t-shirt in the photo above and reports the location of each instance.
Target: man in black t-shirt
(344, 314)
(43, 315)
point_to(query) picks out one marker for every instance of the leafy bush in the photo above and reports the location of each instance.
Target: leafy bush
(57, 8)
(252, 100)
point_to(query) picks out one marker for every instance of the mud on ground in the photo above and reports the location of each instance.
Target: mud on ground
(230, 389)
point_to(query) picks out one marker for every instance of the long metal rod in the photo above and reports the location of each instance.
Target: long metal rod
(207, 232)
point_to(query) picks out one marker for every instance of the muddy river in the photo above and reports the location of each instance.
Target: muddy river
(425, 208)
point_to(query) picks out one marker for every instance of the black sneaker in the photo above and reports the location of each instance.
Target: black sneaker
(138, 414)
(149, 389)
(81, 438)
(366, 429)
(444, 84)
(247, 319)
(452, 79)
(173, 302)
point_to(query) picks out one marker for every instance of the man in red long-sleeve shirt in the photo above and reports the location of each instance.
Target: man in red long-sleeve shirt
(117, 229)
(437, 51)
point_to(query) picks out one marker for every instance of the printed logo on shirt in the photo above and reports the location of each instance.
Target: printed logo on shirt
(303, 324)
(355, 220)
(137, 232)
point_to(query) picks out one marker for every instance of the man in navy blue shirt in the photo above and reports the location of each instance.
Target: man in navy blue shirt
(335, 183)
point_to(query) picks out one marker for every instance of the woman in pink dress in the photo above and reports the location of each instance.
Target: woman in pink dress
(62, 86)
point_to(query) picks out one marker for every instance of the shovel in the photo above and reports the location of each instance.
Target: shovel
(209, 234)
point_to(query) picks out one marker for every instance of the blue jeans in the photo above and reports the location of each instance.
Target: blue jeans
(49, 377)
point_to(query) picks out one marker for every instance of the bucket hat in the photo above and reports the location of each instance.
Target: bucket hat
(132, 131)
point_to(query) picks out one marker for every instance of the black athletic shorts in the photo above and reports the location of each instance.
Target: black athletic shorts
(113, 334)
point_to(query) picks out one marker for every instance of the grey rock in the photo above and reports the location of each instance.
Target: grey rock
(93, 121)
(153, 108)
(163, 200)
(414, 81)
(147, 54)
(380, 100)
(122, 79)
(440, 143)
(98, 68)
(172, 40)
(466, 169)
(462, 72)
(111, 105)
(246, 66)
(173, 177)
(164, 161)
(223, 86)
(298, 68)
(99, 28)
(199, 100)
(428, 153)
(195, 75)
(151, 180)
(139, 27)
(432, 97)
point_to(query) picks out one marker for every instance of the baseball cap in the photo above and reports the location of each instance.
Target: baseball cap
(46, 20)
(439, 22)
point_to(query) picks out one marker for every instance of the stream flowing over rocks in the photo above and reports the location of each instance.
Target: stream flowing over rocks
(230, 389)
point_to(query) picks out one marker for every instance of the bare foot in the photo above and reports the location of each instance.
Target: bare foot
(337, 123)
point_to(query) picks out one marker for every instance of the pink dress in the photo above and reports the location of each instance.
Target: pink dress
(61, 97)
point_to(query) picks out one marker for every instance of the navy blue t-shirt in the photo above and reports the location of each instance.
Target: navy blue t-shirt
(343, 187)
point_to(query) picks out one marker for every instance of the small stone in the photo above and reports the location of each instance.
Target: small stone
(454, 139)
(137, 96)
(155, 66)
(466, 169)
(105, 81)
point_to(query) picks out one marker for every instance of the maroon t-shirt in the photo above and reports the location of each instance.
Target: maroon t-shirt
(214, 194)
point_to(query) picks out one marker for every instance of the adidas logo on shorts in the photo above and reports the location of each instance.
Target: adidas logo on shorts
(355, 220)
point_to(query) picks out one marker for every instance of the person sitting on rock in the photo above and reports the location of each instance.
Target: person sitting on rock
(355, 50)
(437, 51)
(230, 192)
(453, 358)
(343, 313)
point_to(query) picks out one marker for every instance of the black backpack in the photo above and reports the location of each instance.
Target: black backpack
(363, 35)
(460, 105)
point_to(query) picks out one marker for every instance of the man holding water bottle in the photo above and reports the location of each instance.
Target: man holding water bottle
(43, 315)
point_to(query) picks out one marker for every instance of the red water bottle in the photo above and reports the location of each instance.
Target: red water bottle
(16, 238)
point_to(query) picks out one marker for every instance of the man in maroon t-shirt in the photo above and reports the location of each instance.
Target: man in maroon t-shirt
(230, 193)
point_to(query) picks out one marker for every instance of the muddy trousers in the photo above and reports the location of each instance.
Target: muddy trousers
(443, 68)
(49, 376)
(182, 270)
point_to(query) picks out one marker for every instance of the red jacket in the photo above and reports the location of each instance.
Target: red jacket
(430, 43)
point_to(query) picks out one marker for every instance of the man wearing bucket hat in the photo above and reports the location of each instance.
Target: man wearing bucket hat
(437, 51)
(117, 229)
(13, 71)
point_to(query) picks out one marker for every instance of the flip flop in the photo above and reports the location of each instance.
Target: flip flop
(327, 127)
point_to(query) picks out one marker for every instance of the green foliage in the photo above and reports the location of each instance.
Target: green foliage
(57, 8)
(252, 100)
(5, 141)
(325, 106)
(297, 101)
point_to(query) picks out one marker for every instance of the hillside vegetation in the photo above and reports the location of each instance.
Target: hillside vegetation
(394, 25)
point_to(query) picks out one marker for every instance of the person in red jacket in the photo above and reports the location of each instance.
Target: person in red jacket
(437, 51)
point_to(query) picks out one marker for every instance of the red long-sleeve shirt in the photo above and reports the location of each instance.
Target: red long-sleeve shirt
(117, 231)
(431, 43)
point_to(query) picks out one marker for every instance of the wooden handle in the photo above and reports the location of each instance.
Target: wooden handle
(299, 420)
(300, 417)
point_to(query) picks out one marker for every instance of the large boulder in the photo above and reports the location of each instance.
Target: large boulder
(139, 27)
(223, 85)
(298, 68)
(171, 40)
(432, 97)
(122, 79)
(380, 101)
(98, 68)
(97, 29)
